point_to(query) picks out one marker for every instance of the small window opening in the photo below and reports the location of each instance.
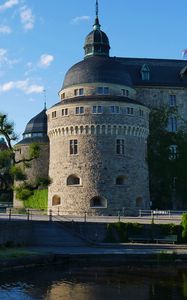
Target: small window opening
(98, 202)
(56, 200)
(120, 180)
(73, 180)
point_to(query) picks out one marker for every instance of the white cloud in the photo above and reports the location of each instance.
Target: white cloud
(80, 19)
(27, 18)
(3, 56)
(22, 85)
(5, 29)
(4, 60)
(7, 86)
(8, 4)
(45, 60)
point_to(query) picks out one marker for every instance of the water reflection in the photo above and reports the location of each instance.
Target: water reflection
(120, 283)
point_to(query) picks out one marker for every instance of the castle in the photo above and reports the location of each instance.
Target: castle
(94, 141)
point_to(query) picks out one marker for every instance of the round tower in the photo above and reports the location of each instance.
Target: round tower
(98, 137)
(35, 132)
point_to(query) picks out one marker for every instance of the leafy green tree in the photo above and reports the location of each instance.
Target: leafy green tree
(10, 169)
(167, 170)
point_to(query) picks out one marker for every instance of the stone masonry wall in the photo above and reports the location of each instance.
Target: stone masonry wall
(97, 164)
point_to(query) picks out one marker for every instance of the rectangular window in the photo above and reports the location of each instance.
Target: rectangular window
(141, 113)
(172, 100)
(125, 92)
(73, 147)
(79, 110)
(65, 112)
(172, 152)
(100, 90)
(54, 114)
(63, 96)
(81, 92)
(172, 124)
(76, 92)
(97, 109)
(103, 90)
(120, 146)
(115, 109)
(130, 111)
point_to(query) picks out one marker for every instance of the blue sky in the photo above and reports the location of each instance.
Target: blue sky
(41, 39)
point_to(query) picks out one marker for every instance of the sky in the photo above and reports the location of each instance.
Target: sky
(41, 39)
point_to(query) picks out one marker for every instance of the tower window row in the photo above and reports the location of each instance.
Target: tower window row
(119, 147)
(101, 90)
(99, 109)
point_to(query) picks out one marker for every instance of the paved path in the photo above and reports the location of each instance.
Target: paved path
(176, 219)
(113, 249)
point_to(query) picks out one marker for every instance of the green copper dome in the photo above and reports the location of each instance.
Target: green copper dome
(97, 42)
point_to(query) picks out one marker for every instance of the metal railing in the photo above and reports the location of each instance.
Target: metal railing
(87, 216)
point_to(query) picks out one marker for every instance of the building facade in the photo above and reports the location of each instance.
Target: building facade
(98, 130)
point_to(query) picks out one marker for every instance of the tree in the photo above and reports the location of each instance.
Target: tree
(167, 161)
(10, 169)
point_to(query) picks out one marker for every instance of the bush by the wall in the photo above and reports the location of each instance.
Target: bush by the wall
(38, 200)
(184, 227)
(119, 232)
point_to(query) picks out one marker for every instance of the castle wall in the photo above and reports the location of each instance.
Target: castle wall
(97, 164)
(158, 96)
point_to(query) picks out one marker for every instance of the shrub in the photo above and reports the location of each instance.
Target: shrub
(39, 200)
(184, 227)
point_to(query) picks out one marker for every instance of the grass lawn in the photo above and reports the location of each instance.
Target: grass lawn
(8, 253)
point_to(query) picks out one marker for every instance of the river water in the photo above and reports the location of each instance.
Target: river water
(94, 283)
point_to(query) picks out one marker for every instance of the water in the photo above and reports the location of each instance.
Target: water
(93, 283)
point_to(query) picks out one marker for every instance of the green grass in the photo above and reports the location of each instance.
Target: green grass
(37, 201)
(8, 253)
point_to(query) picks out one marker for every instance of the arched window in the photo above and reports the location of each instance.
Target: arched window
(98, 202)
(120, 180)
(139, 201)
(73, 180)
(56, 200)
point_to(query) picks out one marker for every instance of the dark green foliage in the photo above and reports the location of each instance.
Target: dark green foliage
(34, 151)
(23, 192)
(167, 174)
(42, 181)
(27, 189)
(18, 173)
(10, 168)
(184, 227)
(119, 232)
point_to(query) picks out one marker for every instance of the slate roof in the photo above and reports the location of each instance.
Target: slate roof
(31, 140)
(37, 124)
(163, 72)
(127, 71)
(97, 69)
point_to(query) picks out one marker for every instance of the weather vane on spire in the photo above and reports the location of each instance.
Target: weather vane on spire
(97, 25)
(97, 9)
(45, 104)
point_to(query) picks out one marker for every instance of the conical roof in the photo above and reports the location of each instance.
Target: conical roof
(37, 124)
(36, 129)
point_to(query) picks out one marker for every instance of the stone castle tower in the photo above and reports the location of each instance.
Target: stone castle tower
(98, 136)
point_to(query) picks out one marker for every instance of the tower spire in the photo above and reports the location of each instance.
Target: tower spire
(96, 24)
(97, 9)
(45, 104)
